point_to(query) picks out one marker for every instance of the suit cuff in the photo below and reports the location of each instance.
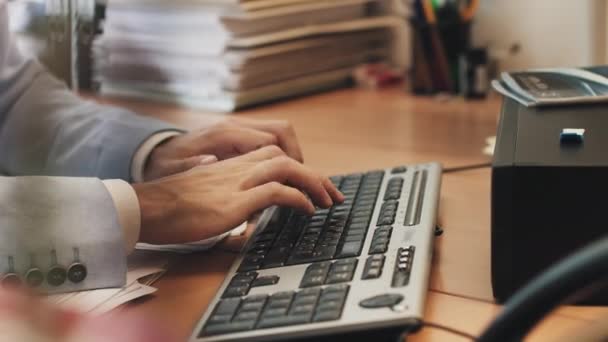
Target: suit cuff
(141, 156)
(127, 207)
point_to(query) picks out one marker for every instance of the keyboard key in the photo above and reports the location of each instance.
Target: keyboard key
(227, 328)
(215, 319)
(274, 312)
(272, 322)
(246, 316)
(376, 249)
(334, 296)
(265, 281)
(399, 169)
(255, 299)
(372, 273)
(343, 268)
(385, 220)
(327, 316)
(302, 309)
(339, 277)
(237, 291)
(279, 303)
(312, 281)
(253, 306)
(392, 195)
(227, 306)
(350, 249)
(373, 267)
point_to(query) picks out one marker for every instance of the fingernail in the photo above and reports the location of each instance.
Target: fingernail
(208, 160)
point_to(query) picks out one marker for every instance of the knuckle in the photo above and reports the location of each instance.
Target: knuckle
(284, 163)
(284, 125)
(274, 150)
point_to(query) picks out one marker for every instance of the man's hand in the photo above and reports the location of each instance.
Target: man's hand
(208, 201)
(226, 139)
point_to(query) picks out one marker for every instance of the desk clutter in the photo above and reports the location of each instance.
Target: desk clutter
(443, 57)
(229, 55)
(555, 86)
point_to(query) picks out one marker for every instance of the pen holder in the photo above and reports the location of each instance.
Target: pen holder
(436, 50)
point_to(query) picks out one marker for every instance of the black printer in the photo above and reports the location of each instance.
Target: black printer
(549, 189)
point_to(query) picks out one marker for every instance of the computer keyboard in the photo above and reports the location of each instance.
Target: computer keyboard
(362, 264)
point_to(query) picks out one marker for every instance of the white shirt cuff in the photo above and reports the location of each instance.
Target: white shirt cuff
(141, 156)
(127, 207)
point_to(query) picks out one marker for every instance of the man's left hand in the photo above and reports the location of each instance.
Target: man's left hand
(224, 140)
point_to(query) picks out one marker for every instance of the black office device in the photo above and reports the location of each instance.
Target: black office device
(549, 189)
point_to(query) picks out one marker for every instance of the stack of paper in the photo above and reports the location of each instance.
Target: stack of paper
(144, 269)
(223, 55)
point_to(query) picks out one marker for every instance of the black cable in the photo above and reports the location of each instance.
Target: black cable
(467, 168)
(581, 273)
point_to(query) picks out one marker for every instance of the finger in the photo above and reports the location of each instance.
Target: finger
(288, 171)
(284, 133)
(333, 191)
(264, 153)
(273, 193)
(247, 139)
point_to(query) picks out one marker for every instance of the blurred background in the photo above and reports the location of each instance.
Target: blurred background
(226, 55)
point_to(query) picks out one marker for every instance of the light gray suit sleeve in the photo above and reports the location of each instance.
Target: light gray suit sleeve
(50, 223)
(54, 222)
(47, 130)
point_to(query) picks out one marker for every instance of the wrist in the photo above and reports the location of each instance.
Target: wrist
(146, 159)
(156, 207)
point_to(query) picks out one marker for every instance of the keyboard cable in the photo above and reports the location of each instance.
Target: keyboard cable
(467, 168)
(403, 336)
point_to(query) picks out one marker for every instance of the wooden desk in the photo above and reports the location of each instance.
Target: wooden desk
(355, 130)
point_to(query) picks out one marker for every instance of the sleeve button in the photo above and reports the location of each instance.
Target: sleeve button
(34, 277)
(77, 273)
(57, 276)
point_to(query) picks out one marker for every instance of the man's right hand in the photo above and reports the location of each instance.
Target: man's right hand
(210, 200)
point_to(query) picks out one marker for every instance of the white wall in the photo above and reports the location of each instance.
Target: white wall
(550, 32)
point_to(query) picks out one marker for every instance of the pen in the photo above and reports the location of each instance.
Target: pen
(469, 11)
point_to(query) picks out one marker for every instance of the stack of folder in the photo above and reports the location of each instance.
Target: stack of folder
(225, 55)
